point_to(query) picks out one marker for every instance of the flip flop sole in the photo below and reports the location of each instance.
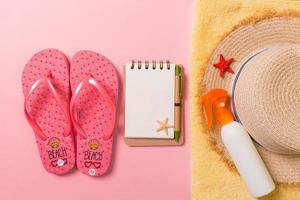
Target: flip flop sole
(57, 152)
(94, 152)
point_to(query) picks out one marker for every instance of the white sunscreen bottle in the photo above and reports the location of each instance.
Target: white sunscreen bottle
(238, 144)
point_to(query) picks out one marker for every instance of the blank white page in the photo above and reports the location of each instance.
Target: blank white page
(149, 96)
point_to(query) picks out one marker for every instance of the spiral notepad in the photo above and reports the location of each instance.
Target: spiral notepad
(150, 95)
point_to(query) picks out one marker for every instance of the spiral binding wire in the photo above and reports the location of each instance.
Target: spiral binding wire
(154, 64)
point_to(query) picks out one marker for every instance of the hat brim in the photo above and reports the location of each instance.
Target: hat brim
(239, 44)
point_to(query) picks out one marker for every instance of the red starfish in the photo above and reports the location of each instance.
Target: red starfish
(224, 65)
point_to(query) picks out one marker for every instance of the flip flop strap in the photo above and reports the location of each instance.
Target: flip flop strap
(60, 102)
(110, 105)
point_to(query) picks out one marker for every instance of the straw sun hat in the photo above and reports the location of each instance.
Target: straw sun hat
(265, 90)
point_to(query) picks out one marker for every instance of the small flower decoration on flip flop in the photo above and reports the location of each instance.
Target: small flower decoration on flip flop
(164, 126)
(224, 65)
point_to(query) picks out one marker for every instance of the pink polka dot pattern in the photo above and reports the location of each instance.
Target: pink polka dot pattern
(92, 113)
(57, 152)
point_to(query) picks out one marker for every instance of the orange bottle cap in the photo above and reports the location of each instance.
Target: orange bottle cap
(215, 104)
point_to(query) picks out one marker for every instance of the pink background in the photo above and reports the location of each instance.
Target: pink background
(121, 30)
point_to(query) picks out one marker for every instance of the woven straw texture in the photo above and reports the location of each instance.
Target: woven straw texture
(211, 177)
(266, 95)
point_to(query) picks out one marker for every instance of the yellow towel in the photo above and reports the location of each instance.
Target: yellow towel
(214, 19)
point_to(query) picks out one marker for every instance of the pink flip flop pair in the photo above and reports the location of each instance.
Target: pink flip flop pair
(53, 111)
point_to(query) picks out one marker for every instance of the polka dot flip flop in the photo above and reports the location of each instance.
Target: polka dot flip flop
(46, 89)
(94, 84)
